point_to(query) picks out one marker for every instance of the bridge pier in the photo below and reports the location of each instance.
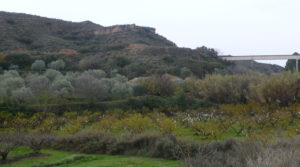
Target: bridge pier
(297, 69)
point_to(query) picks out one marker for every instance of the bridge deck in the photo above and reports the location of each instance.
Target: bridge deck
(261, 57)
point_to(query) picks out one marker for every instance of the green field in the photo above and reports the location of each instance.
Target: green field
(65, 159)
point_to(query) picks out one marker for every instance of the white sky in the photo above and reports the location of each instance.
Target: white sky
(236, 27)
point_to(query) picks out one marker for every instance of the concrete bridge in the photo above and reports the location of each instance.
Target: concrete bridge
(263, 57)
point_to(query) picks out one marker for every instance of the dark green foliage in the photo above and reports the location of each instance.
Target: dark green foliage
(20, 59)
(139, 90)
(121, 61)
(146, 101)
(14, 108)
(183, 102)
(291, 65)
(25, 40)
(10, 21)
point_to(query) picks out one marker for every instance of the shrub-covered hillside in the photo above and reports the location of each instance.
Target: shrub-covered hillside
(130, 50)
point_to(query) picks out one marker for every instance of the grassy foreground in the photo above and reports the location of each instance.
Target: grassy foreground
(65, 159)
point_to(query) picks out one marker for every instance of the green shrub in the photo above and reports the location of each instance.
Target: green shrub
(167, 126)
(20, 59)
(282, 89)
(136, 123)
(159, 85)
(225, 89)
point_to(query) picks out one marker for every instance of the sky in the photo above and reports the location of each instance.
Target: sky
(235, 27)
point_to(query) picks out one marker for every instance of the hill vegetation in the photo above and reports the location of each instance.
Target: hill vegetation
(79, 94)
(130, 50)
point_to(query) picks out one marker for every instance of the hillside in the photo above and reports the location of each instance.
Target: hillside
(244, 67)
(28, 32)
(127, 49)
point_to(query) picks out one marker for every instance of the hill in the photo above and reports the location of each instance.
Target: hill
(127, 49)
(248, 66)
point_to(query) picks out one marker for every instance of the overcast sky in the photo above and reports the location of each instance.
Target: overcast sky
(236, 27)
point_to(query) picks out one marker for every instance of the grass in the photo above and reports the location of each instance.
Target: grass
(66, 159)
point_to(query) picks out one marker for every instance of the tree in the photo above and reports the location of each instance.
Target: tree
(185, 72)
(224, 89)
(283, 89)
(159, 85)
(5, 148)
(22, 60)
(37, 141)
(7, 144)
(39, 84)
(38, 65)
(52, 74)
(90, 87)
(57, 65)
(121, 90)
(22, 95)
(13, 67)
(291, 64)
(90, 62)
(95, 73)
(10, 84)
(62, 87)
(136, 123)
(121, 61)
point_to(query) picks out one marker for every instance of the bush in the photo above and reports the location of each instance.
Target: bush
(75, 125)
(207, 130)
(85, 142)
(139, 90)
(121, 61)
(225, 89)
(90, 87)
(99, 74)
(159, 85)
(276, 158)
(136, 123)
(227, 154)
(150, 102)
(167, 126)
(154, 145)
(282, 89)
(90, 62)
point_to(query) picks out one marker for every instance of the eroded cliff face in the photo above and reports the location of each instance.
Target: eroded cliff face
(121, 28)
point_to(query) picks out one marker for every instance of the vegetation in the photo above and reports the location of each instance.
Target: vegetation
(82, 88)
